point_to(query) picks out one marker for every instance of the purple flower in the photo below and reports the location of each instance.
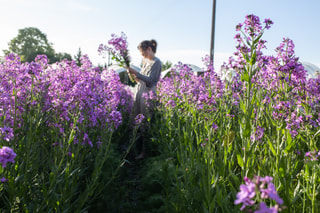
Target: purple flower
(258, 134)
(247, 192)
(118, 48)
(6, 155)
(252, 25)
(264, 209)
(7, 133)
(65, 90)
(268, 23)
(86, 140)
(272, 192)
(115, 119)
(238, 27)
(312, 156)
(262, 186)
(203, 144)
(266, 179)
(99, 144)
(139, 119)
(214, 126)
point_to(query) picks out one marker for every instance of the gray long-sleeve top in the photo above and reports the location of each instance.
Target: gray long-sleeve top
(150, 72)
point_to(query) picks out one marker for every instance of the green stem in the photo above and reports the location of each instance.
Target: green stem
(277, 155)
(313, 189)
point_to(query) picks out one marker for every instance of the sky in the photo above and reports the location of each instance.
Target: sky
(182, 28)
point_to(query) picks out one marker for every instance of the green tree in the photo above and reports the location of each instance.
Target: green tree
(61, 56)
(29, 43)
(77, 57)
(166, 65)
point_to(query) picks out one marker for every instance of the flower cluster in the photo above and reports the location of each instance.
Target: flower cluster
(281, 77)
(185, 87)
(6, 133)
(312, 156)
(258, 134)
(6, 155)
(73, 95)
(118, 49)
(258, 190)
(150, 99)
(139, 119)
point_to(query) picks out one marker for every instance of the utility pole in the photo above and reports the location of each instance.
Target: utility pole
(212, 30)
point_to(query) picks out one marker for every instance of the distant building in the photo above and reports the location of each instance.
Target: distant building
(193, 68)
(312, 70)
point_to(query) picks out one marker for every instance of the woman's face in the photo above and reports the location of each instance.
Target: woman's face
(146, 53)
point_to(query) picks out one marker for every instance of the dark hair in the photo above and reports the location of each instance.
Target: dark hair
(148, 43)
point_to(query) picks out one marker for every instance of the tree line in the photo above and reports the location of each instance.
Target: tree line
(31, 42)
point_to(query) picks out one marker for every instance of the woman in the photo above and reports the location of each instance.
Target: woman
(147, 79)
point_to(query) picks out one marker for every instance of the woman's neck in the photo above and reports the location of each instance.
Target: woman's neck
(151, 56)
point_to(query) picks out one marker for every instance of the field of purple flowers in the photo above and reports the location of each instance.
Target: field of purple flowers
(57, 127)
(247, 142)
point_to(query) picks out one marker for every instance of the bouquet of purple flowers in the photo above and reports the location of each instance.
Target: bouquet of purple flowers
(118, 49)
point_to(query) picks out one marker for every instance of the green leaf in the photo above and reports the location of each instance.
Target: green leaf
(235, 178)
(271, 147)
(281, 172)
(242, 106)
(247, 131)
(240, 160)
(306, 172)
(228, 138)
(290, 145)
(246, 57)
(317, 133)
(257, 39)
(253, 58)
(245, 76)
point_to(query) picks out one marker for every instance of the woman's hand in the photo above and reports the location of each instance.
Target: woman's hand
(132, 71)
(132, 74)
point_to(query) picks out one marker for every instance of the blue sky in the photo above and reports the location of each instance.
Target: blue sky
(181, 27)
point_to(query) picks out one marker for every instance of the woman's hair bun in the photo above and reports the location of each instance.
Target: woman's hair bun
(148, 43)
(154, 43)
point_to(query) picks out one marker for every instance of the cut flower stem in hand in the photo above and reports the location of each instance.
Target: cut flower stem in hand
(119, 50)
